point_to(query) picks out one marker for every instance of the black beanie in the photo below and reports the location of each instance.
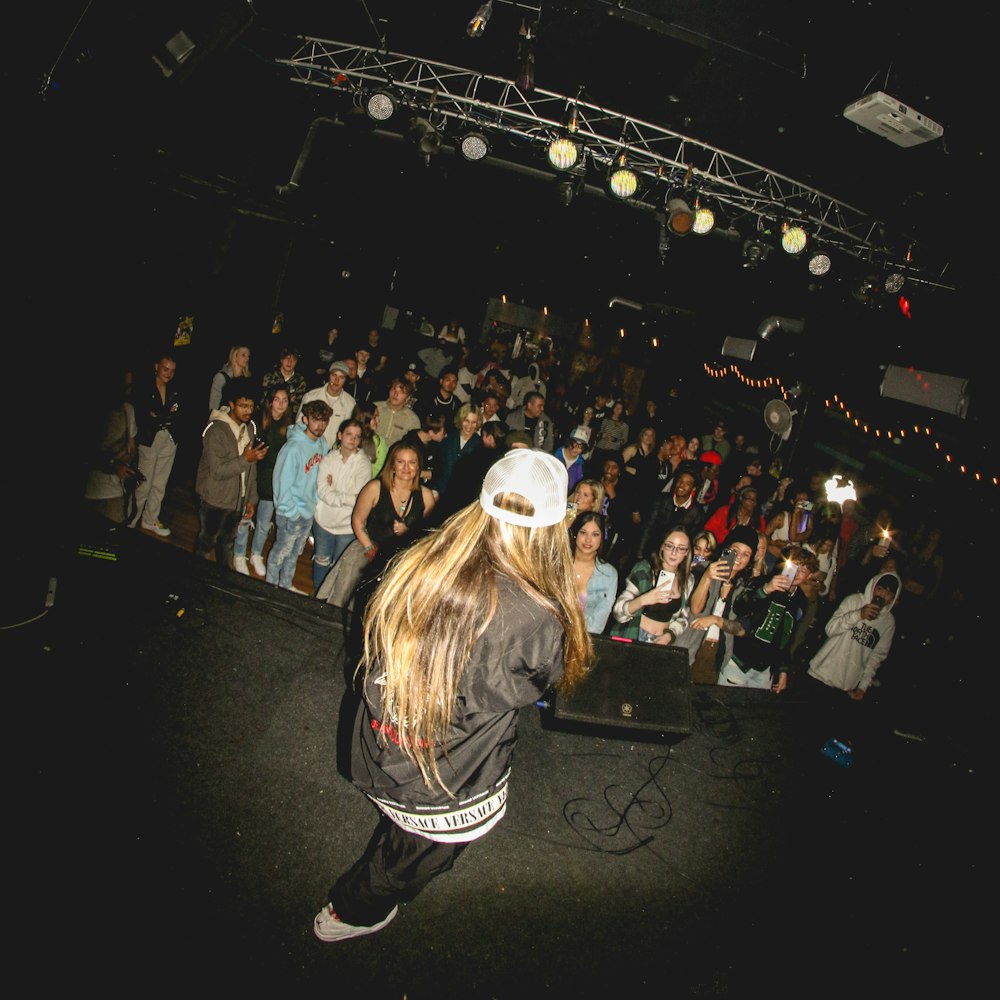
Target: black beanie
(745, 536)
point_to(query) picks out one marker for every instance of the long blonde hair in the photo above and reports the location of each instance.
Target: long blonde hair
(232, 354)
(436, 600)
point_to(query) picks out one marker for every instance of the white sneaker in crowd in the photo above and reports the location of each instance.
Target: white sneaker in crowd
(258, 565)
(240, 565)
(158, 528)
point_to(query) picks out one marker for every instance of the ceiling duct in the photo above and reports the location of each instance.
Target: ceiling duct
(773, 323)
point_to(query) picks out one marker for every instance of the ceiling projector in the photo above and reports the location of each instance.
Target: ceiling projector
(892, 119)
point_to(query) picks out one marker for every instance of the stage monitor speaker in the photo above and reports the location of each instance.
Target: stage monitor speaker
(632, 685)
(946, 393)
(390, 315)
(739, 347)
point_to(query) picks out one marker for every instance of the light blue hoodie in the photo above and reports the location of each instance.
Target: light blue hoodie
(296, 473)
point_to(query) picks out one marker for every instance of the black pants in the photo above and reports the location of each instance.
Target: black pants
(217, 530)
(396, 865)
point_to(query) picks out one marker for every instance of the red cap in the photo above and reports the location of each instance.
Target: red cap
(711, 456)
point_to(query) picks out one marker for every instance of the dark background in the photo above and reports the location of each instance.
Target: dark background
(138, 198)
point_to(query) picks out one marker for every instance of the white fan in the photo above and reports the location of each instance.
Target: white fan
(778, 418)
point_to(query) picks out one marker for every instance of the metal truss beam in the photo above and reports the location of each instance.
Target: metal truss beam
(666, 162)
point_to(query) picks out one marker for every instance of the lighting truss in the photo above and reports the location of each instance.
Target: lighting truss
(661, 158)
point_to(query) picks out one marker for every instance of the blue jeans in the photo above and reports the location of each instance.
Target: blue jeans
(289, 543)
(265, 515)
(242, 535)
(326, 551)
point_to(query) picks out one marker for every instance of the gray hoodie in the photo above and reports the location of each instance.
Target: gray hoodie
(854, 648)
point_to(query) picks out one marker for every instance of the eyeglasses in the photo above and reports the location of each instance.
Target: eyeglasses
(680, 549)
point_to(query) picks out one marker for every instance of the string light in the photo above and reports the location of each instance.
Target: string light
(835, 403)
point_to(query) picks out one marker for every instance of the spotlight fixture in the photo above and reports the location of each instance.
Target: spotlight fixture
(867, 292)
(474, 145)
(563, 153)
(477, 25)
(680, 218)
(819, 263)
(704, 219)
(894, 282)
(754, 253)
(622, 180)
(793, 238)
(424, 135)
(380, 105)
(569, 187)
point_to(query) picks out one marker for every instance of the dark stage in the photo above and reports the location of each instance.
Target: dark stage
(180, 815)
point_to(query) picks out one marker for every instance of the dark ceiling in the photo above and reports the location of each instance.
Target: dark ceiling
(767, 83)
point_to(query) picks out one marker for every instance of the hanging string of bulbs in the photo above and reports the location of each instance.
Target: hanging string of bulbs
(839, 407)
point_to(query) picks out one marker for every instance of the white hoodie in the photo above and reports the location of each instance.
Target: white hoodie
(854, 647)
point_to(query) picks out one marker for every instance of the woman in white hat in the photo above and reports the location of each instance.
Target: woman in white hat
(469, 625)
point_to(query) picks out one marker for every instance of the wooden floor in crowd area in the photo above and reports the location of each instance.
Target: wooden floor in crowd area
(180, 514)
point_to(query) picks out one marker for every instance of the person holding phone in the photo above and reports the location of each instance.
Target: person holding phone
(653, 605)
(226, 480)
(768, 612)
(713, 623)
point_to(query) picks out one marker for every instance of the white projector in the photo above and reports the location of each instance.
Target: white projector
(892, 119)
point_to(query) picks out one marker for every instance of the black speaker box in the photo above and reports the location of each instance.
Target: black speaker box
(632, 685)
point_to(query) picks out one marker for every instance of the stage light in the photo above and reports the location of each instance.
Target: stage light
(423, 134)
(754, 253)
(622, 180)
(704, 219)
(474, 145)
(867, 291)
(563, 153)
(380, 105)
(680, 218)
(793, 238)
(894, 282)
(477, 25)
(819, 263)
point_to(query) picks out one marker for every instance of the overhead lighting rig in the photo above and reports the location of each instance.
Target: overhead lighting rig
(656, 160)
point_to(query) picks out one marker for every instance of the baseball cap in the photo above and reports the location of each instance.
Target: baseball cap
(578, 435)
(711, 457)
(537, 477)
(339, 366)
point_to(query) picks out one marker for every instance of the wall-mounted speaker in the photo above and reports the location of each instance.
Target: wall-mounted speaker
(946, 393)
(739, 347)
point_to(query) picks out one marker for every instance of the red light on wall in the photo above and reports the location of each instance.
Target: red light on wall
(904, 306)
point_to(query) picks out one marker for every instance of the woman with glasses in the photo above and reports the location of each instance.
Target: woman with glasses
(713, 624)
(653, 606)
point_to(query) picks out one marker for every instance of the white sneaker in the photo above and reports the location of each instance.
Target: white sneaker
(295, 590)
(258, 565)
(329, 927)
(157, 527)
(240, 565)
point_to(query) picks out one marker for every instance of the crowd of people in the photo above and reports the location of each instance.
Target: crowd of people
(407, 472)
